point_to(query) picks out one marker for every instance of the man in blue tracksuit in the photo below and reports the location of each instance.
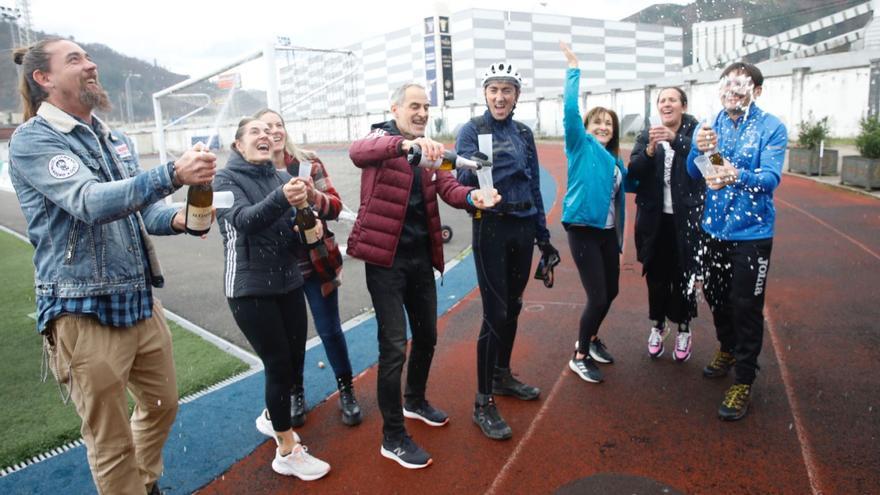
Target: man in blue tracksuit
(739, 217)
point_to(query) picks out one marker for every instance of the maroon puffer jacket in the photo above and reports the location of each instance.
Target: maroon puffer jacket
(386, 179)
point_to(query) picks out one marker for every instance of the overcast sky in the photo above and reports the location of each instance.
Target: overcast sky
(192, 37)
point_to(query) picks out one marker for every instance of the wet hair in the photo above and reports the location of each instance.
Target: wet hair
(399, 94)
(291, 149)
(32, 58)
(752, 71)
(682, 96)
(613, 145)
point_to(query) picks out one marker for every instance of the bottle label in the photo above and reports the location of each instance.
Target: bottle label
(198, 218)
(311, 236)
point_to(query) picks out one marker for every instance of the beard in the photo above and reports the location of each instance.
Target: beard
(95, 98)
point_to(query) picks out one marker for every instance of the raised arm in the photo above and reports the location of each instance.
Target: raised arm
(571, 115)
(375, 148)
(47, 164)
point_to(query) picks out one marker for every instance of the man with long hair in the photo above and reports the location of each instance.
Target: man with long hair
(90, 209)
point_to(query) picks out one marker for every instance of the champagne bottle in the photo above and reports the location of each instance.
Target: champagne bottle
(199, 199)
(449, 161)
(307, 223)
(714, 156)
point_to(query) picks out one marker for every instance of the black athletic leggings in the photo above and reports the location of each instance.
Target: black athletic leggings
(276, 328)
(668, 295)
(597, 256)
(503, 249)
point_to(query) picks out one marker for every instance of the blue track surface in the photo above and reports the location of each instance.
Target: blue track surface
(214, 431)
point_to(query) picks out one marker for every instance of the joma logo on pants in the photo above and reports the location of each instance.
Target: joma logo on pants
(762, 276)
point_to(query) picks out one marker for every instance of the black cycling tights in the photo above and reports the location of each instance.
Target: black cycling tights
(503, 249)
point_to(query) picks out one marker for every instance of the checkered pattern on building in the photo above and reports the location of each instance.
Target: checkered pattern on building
(609, 51)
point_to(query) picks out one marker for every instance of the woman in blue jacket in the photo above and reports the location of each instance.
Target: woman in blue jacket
(592, 214)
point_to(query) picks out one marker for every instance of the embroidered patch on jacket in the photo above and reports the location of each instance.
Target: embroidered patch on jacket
(123, 151)
(63, 166)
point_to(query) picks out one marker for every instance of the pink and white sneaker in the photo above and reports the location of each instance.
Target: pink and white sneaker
(655, 341)
(683, 344)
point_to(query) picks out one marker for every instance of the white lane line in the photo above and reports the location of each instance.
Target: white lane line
(803, 439)
(224, 345)
(830, 227)
(14, 234)
(528, 436)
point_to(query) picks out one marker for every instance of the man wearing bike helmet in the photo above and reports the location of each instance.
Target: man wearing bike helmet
(503, 239)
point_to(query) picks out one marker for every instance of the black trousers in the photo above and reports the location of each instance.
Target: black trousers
(404, 291)
(735, 285)
(276, 327)
(503, 249)
(597, 257)
(668, 295)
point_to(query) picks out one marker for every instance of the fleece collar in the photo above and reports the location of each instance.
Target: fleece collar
(63, 121)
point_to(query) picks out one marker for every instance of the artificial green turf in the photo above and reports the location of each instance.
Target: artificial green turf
(33, 418)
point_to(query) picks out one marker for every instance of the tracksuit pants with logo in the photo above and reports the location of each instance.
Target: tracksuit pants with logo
(735, 284)
(404, 291)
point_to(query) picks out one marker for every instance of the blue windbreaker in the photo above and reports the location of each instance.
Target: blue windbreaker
(755, 143)
(590, 169)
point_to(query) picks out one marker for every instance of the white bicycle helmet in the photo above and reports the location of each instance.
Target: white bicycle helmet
(504, 72)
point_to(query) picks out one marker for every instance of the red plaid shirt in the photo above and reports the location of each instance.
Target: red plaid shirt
(327, 204)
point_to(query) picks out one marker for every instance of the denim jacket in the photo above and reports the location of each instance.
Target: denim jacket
(87, 228)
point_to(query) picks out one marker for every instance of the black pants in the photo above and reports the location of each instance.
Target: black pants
(736, 281)
(503, 249)
(276, 327)
(407, 286)
(597, 256)
(668, 295)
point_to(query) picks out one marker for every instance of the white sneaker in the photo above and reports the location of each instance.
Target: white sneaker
(300, 463)
(264, 426)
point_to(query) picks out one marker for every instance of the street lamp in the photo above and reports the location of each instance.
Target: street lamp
(128, 105)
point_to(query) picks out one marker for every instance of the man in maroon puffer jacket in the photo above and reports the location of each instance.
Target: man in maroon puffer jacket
(397, 234)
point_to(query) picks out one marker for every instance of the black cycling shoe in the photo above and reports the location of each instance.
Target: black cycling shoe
(503, 383)
(486, 416)
(351, 410)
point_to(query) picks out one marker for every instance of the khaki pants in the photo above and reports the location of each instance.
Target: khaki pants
(98, 363)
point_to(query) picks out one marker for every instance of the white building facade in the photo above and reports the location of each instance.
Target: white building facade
(450, 53)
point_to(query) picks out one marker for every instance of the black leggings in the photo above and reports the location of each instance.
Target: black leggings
(503, 249)
(668, 295)
(597, 256)
(276, 328)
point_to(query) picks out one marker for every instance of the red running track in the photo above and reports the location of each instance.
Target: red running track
(813, 426)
